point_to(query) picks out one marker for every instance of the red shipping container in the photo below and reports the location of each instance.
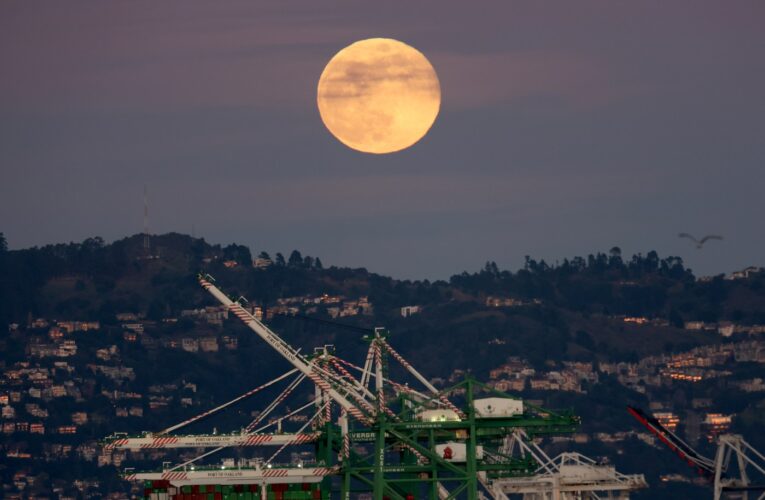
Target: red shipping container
(278, 495)
(147, 492)
(306, 486)
(316, 494)
(195, 488)
(279, 487)
(219, 496)
(253, 487)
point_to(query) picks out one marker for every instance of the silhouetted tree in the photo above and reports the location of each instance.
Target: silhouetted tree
(280, 259)
(615, 258)
(491, 268)
(296, 260)
(239, 253)
(652, 261)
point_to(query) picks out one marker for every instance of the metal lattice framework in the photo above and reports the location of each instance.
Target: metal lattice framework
(371, 433)
(748, 474)
(569, 475)
(737, 469)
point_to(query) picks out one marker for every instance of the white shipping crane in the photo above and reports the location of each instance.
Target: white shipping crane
(568, 476)
(366, 398)
(254, 474)
(209, 440)
(333, 384)
(320, 377)
(737, 469)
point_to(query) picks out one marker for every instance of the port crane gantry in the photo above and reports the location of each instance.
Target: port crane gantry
(737, 468)
(372, 434)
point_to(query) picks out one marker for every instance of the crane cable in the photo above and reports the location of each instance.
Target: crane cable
(227, 404)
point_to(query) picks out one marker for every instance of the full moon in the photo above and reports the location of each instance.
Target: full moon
(378, 95)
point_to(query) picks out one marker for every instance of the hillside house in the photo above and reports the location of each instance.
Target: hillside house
(408, 311)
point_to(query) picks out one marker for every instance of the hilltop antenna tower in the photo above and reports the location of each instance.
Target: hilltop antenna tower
(146, 243)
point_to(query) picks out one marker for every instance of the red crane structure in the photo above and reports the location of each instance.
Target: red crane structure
(730, 471)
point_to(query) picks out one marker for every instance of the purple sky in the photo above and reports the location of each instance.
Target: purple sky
(565, 128)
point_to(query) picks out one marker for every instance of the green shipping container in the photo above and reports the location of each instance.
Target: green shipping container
(294, 495)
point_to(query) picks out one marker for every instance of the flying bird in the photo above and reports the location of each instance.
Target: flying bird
(700, 243)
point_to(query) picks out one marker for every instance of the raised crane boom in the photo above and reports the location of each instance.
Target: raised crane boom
(704, 465)
(287, 351)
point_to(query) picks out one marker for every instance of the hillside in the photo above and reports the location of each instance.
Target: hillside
(127, 338)
(575, 309)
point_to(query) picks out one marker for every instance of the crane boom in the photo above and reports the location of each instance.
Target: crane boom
(210, 441)
(419, 377)
(288, 352)
(704, 465)
(235, 475)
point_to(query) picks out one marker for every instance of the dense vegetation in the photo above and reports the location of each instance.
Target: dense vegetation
(94, 280)
(568, 311)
